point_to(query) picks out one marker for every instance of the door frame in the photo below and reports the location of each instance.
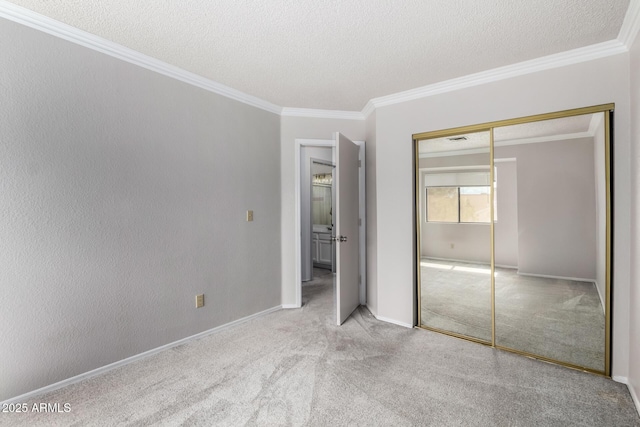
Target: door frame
(329, 143)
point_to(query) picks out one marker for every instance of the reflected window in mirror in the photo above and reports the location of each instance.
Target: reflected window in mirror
(442, 204)
(459, 204)
(468, 202)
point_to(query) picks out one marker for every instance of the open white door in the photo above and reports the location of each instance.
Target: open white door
(346, 227)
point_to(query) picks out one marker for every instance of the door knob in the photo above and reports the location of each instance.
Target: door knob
(339, 238)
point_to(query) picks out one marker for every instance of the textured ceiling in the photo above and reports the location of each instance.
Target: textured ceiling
(336, 54)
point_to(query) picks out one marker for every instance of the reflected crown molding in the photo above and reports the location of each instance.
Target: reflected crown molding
(539, 139)
(588, 134)
(596, 119)
(454, 153)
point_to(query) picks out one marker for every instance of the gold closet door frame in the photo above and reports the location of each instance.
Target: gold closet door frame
(607, 109)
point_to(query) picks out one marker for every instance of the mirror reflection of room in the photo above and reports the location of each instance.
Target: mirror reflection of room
(549, 214)
(550, 239)
(322, 215)
(455, 203)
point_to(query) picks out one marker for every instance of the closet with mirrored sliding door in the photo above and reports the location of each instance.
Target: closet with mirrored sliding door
(513, 223)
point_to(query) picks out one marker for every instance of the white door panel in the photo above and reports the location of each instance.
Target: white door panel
(347, 228)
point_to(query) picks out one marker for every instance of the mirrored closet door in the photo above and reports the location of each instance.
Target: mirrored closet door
(455, 234)
(513, 223)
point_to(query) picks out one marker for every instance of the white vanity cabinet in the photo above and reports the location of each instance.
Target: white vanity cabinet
(321, 249)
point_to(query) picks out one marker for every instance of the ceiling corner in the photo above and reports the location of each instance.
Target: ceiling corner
(368, 109)
(631, 24)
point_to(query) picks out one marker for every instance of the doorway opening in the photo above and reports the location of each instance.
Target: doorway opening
(315, 238)
(317, 202)
(322, 202)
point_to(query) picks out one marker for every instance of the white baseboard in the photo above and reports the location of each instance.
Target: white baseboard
(509, 267)
(619, 379)
(290, 306)
(395, 322)
(370, 310)
(634, 396)
(466, 261)
(98, 371)
(549, 276)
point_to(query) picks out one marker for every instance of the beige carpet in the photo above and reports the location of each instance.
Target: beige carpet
(295, 367)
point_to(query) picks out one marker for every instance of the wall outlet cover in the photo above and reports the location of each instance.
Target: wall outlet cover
(199, 300)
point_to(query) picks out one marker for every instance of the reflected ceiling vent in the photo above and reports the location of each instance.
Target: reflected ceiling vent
(458, 138)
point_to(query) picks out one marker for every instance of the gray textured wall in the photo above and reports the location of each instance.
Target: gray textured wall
(123, 195)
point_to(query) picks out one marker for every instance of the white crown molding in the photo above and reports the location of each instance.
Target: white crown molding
(322, 114)
(628, 31)
(47, 25)
(368, 109)
(575, 56)
(61, 30)
(631, 24)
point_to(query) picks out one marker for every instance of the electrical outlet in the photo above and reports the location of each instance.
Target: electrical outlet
(199, 300)
(249, 216)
